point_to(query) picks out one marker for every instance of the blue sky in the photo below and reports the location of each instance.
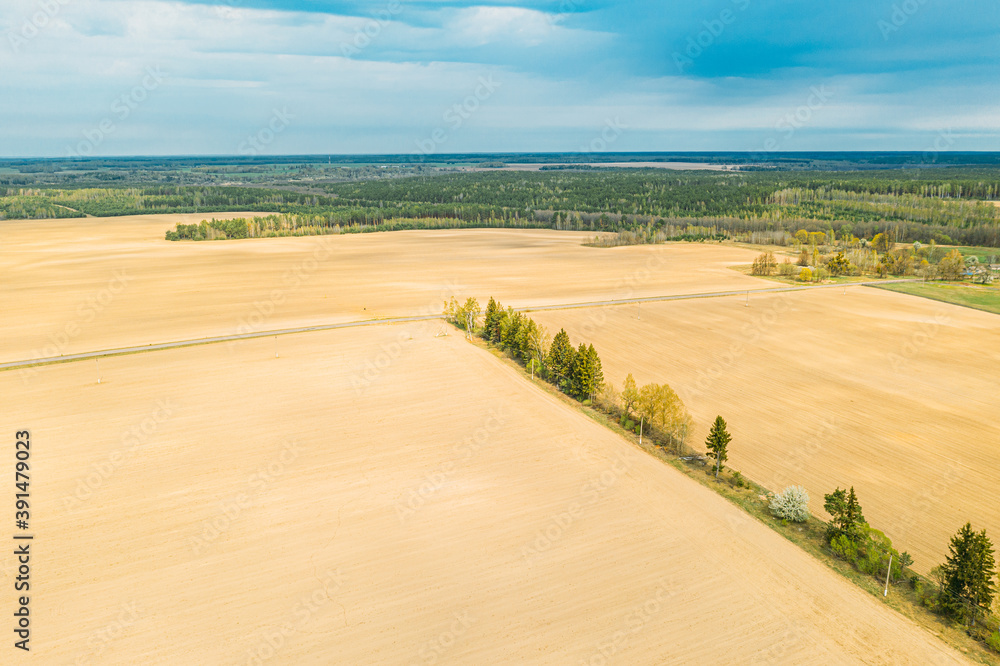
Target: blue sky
(135, 77)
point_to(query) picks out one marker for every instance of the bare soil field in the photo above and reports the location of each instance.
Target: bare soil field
(893, 394)
(216, 504)
(104, 283)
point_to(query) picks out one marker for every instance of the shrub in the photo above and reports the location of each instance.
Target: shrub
(786, 269)
(844, 548)
(805, 275)
(739, 481)
(791, 504)
(870, 563)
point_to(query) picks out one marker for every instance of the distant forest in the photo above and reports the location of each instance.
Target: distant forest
(948, 205)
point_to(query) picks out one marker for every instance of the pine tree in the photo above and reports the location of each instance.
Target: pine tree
(581, 372)
(846, 517)
(596, 372)
(492, 324)
(511, 329)
(968, 574)
(718, 443)
(560, 360)
(525, 335)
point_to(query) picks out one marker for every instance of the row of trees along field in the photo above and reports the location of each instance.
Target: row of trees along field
(654, 410)
(963, 587)
(345, 221)
(822, 255)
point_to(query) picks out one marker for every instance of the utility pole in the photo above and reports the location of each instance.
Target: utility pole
(886, 593)
(98, 362)
(747, 304)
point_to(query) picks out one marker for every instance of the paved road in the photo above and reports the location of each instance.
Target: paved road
(399, 320)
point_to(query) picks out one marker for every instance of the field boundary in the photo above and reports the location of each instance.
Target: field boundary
(903, 599)
(952, 301)
(125, 351)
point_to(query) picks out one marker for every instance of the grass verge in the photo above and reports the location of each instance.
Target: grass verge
(976, 296)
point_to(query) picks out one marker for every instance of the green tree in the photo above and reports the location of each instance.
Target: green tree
(560, 360)
(596, 372)
(968, 575)
(846, 517)
(905, 560)
(717, 443)
(510, 329)
(586, 375)
(494, 315)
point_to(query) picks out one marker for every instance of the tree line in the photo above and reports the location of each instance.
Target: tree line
(654, 410)
(825, 254)
(965, 589)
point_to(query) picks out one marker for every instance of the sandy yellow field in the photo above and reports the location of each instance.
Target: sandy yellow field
(82, 285)
(218, 505)
(893, 394)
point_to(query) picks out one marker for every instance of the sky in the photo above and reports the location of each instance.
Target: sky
(426, 77)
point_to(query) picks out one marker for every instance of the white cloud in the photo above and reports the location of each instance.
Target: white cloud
(510, 26)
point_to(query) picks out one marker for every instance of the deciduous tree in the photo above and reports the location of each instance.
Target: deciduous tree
(881, 243)
(660, 406)
(952, 267)
(764, 264)
(791, 504)
(630, 394)
(839, 265)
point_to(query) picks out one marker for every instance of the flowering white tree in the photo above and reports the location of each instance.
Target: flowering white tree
(791, 504)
